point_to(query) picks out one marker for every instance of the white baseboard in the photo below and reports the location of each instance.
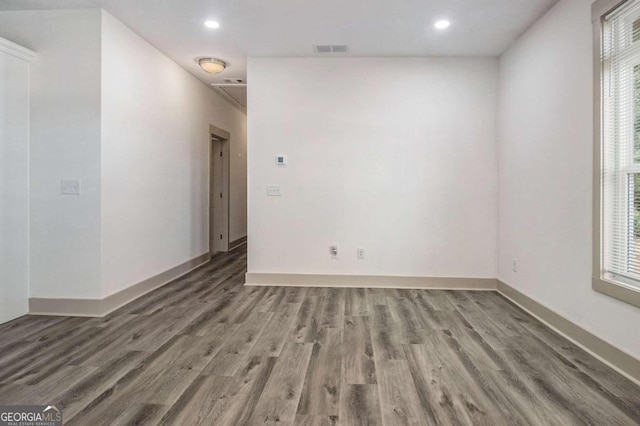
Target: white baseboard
(101, 307)
(624, 363)
(371, 281)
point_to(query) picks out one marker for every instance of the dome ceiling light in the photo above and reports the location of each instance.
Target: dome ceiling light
(212, 65)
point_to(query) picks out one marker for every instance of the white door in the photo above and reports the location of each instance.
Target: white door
(217, 204)
(213, 243)
(14, 185)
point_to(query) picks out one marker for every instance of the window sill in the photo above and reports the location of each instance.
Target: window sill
(617, 290)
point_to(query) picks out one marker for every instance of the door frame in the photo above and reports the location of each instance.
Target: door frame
(219, 142)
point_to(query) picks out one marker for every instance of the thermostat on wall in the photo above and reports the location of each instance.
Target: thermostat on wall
(281, 160)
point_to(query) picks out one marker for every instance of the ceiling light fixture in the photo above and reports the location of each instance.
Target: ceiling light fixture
(212, 65)
(212, 24)
(442, 24)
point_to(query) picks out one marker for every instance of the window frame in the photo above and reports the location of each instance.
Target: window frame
(618, 289)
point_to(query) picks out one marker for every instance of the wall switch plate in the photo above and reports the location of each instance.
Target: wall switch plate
(360, 253)
(514, 265)
(70, 187)
(333, 251)
(274, 190)
(281, 160)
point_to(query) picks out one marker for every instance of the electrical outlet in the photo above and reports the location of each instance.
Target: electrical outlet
(514, 265)
(360, 253)
(333, 251)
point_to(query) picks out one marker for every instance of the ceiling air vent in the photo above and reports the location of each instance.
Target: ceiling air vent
(234, 81)
(321, 48)
(330, 48)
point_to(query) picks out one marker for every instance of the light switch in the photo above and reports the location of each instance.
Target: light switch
(274, 190)
(70, 187)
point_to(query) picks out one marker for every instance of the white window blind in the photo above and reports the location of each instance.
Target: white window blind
(621, 144)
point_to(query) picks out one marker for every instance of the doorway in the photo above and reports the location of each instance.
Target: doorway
(14, 180)
(218, 190)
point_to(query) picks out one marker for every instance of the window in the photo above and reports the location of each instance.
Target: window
(617, 151)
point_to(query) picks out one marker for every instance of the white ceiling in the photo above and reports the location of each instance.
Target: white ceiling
(292, 27)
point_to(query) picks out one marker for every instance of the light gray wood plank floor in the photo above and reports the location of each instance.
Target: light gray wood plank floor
(206, 350)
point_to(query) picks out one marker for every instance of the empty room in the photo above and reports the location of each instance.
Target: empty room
(361, 212)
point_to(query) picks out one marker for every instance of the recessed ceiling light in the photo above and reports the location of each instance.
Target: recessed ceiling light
(212, 24)
(442, 24)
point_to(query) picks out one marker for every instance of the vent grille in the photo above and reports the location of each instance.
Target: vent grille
(234, 81)
(330, 48)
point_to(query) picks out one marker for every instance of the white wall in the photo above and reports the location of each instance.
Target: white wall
(394, 155)
(545, 174)
(155, 160)
(65, 144)
(132, 126)
(14, 185)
